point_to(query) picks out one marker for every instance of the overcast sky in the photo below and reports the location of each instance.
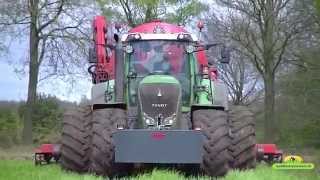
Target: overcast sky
(14, 86)
(11, 87)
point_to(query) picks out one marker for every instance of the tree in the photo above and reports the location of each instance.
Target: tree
(298, 102)
(135, 12)
(265, 30)
(317, 4)
(241, 80)
(51, 24)
(240, 76)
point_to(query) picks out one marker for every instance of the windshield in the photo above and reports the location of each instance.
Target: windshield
(168, 57)
(159, 57)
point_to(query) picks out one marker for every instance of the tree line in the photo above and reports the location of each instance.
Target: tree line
(46, 120)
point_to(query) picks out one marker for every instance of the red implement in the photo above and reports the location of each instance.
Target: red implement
(105, 62)
(268, 153)
(46, 152)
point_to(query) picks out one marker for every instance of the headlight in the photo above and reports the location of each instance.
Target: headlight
(128, 49)
(170, 120)
(148, 120)
(190, 49)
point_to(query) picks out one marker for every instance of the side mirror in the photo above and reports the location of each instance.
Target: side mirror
(92, 56)
(225, 55)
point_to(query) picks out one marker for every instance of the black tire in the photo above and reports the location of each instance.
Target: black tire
(214, 125)
(105, 122)
(47, 158)
(75, 148)
(37, 160)
(243, 138)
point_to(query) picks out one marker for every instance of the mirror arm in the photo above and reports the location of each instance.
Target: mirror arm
(208, 46)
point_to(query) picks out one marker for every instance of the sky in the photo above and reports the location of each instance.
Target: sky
(13, 86)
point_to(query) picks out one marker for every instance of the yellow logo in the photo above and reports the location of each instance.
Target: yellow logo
(293, 162)
(293, 159)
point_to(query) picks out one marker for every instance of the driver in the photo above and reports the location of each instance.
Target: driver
(156, 60)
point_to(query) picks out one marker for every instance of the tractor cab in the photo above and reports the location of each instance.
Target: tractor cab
(161, 58)
(159, 75)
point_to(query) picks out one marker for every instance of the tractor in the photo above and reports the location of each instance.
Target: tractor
(155, 100)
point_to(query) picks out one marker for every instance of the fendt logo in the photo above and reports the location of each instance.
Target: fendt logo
(159, 105)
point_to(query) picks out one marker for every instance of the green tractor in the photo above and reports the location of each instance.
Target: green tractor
(155, 100)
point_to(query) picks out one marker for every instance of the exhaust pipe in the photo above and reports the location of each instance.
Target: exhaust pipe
(119, 68)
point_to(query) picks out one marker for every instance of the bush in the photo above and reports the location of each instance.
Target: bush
(10, 127)
(297, 109)
(47, 119)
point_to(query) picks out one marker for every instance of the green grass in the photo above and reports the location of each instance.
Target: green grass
(25, 170)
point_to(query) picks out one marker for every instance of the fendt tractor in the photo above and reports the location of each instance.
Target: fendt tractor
(156, 101)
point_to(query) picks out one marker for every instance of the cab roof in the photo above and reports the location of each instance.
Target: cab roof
(157, 26)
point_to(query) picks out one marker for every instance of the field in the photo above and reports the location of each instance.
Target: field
(17, 164)
(25, 170)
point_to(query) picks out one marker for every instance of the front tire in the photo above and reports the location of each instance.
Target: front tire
(74, 148)
(215, 128)
(243, 138)
(105, 122)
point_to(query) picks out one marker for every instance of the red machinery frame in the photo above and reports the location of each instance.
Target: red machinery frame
(46, 152)
(268, 153)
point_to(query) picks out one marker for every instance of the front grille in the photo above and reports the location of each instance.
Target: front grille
(159, 100)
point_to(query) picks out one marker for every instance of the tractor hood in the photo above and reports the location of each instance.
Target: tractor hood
(159, 100)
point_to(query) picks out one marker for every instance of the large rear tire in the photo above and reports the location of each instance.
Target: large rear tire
(75, 148)
(243, 138)
(216, 157)
(105, 122)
